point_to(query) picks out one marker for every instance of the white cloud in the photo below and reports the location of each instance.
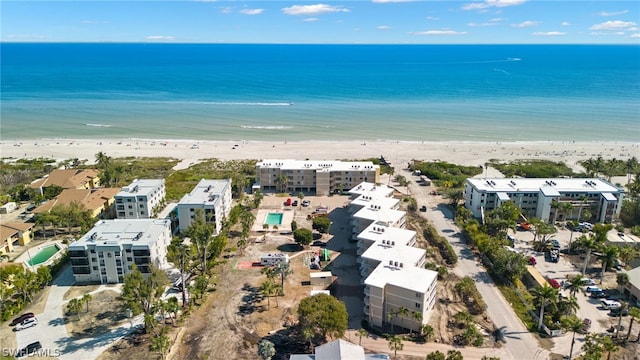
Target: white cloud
(226, 9)
(252, 11)
(160, 38)
(316, 9)
(614, 13)
(614, 25)
(492, 3)
(526, 24)
(549, 33)
(94, 22)
(383, 27)
(438, 32)
(432, 18)
(25, 37)
(565, 23)
(637, 35)
(310, 19)
(491, 22)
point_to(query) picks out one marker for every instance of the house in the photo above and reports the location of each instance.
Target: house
(96, 201)
(317, 177)
(141, 199)
(68, 179)
(632, 289)
(212, 196)
(339, 350)
(537, 197)
(111, 248)
(14, 234)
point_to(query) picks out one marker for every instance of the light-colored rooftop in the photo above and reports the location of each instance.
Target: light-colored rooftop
(546, 185)
(408, 277)
(380, 231)
(140, 187)
(123, 231)
(384, 202)
(384, 250)
(206, 192)
(318, 165)
(378, 213)
(372, 190)
(91, 199)
(614, 237)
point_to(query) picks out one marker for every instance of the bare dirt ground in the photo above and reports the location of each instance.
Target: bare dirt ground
(104, 312)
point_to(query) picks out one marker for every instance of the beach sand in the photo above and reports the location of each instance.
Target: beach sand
(398, 153)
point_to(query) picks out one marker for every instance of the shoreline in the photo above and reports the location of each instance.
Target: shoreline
(398, 153)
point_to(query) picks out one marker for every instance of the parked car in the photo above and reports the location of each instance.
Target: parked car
(29, 349)
(423, 208)
(610, 304)
(614, 327)
(555, 243)
(586, 325)
(554, 283)
(616, 312)
(306, 203)
(287, 202)
(26, 323)
(598, 294)
(524, 226)
(532, 260)
(592, 288)
(21, 318)
(294, 203)
(554, 255)
(587, 282)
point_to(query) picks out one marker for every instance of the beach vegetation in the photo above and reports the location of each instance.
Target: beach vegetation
(18, 287)
(140, 293)
(434, 239)
(442, 172)
(324, 315)
(534, 169)
(15, 175)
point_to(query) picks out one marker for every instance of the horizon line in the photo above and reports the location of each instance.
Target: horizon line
(295, 43)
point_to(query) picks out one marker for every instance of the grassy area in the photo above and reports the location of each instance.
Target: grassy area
(445, 174)
(534, 169)
(518, 306)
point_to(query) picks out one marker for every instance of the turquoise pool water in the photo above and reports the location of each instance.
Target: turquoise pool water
(273, 219)
(43, 255)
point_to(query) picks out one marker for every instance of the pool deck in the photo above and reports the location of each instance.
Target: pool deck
(24, 258)
(261, 216)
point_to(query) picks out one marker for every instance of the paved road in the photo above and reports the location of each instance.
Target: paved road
(521, 344)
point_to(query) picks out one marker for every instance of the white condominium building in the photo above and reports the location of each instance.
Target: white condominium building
(388, 249)
(380, 232)
(110, 249)
(538, 197)
(141, 199)
(317, 177)
(212, 196)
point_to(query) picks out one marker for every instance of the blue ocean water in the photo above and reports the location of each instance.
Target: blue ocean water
(320, 92)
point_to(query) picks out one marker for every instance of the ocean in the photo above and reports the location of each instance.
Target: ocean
(320, 92)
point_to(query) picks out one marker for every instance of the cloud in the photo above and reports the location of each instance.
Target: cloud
(252, 11)
(549, 33)
(94, 22)
(383, 27)
(438, 32)
(491, 22)
(492, 3)
(637, 35)
(316, 9)
(160, 38)
(25, 37)
(310, 19)
(226, 9)
(614, 25)
(432, 18)
(615, 13)
(526, 24)
(565, 23)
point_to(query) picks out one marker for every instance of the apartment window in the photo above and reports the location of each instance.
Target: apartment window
(92, 251)
(417, 305)
(131, 213)
(127, 250)
(109, 255)
(129, 259)
(95, 268)
(130, 206)
(103, 271)
(101, 255)
(94, 259)
(418, 295)
(117, 253)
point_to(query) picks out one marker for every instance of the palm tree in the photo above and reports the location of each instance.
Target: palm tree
(631, 166)
(395, 344)
(283, 182)
(417, 317)
(583, 202)
(268, 288)
(574, 324)
(86, 299)
(565, 209)
(545, 295)
(361, 333)
(634, 313)
(608, 345)
(623, 308)
(608, 257)
(161, 344)
(575, 284)
(284, 269)
(588, 243)
(402, 313)
(390, 316)
(555, 205)
(300, 196)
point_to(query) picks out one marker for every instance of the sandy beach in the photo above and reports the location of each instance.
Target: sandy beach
(398, 153)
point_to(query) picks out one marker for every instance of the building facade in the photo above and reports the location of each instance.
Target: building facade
(141, 199)
(212, 196)
(68, 179)
(111, 248)
(316, 177)
(540, 198)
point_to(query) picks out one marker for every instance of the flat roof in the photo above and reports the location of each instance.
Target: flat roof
(205, 192)
(385, 251)
(123, 231)
(323, 165)
(384, 202)
(409, 277)
(378, 232)
(379, 214)
(562, 185)
(371, 189)
(140, 187)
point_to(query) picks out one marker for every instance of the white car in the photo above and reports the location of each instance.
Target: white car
(26, 323)
(610, 304)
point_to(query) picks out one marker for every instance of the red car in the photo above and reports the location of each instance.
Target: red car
(554, 283)
(532, 260)
(288, 202)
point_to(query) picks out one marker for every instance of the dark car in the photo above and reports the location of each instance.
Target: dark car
(586, 325)
(423, 208)
(21, 318)
(617, 311)
(29, 349)
(598, 294)
(294, 203)
(555, 243)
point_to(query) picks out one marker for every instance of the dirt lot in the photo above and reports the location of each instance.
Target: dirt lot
(105, 312)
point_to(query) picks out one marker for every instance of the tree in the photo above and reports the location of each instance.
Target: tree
(269, 289)
(634, 313)
(402, 313)
(283, 182)
(607, 258)
(545, 295)
(173, 307)
(631, 167)
(416, 316)
(201, 233)
(257, 198)
(454, 355)
(300, 196)
(284, 270)
(361, 333)
(324, 314)
(622, 279)
(86, 298)
(74, 306)
(321, 224)
(436, 355)
(575, 284)
(140, 293)
(303, 236)
(574, 324)
(161, 344)
(395, 344)
(427, 331)
(608, 345)
(588, 243)
(266, 349)
(180, 254)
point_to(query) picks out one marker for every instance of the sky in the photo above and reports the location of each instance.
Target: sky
(328, 22)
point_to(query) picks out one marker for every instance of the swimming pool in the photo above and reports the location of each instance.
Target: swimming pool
(43, 255)
(273, 219)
